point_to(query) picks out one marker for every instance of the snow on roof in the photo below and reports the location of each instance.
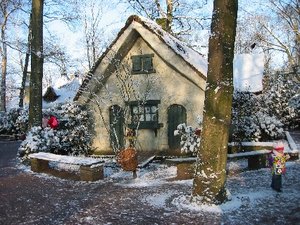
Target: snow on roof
(248, 72)
(66, 92)
(191, 56)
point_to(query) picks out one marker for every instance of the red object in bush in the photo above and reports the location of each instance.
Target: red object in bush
(198, 132)
(53, 122)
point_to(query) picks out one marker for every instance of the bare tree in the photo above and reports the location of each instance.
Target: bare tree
(288, 19)
(25, 66)
(93, 33)
(274, 27)
(210, 178)
(7, 8)
(178, 17)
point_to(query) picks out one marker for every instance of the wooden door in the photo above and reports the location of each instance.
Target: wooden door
(176, 116)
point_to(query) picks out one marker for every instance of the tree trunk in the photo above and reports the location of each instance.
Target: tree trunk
(25, 69)
(210, 177)
(3, 74)
(3, 51)
(36, 77)
(169, 15)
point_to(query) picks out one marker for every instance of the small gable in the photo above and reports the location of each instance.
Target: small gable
(50, 95)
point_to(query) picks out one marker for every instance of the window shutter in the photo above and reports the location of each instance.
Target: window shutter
(148, 66)
(136, 63)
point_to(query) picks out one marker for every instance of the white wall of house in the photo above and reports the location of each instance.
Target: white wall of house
(167, 84)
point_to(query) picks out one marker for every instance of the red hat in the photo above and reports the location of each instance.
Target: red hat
(279, 146)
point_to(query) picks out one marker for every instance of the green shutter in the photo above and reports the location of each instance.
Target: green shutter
(147, 64)
(116, 120)
(176, 116)
(136, 63)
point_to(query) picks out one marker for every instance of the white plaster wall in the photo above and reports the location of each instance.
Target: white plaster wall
(167, 85)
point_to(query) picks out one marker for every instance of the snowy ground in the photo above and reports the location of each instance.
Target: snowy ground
(155, 197)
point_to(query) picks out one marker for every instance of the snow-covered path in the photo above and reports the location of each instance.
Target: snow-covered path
(153, 198)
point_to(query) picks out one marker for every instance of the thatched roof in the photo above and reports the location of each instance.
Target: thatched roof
(190, 56)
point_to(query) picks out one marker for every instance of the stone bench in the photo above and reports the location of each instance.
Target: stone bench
(90, 169)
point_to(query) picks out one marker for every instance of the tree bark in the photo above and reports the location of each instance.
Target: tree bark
(36, 76)
(3, 72)
(25, 69)
(210, 177)
(3, 51)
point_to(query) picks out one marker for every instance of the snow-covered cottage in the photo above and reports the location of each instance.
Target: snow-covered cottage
(62, 92)
(146, 80)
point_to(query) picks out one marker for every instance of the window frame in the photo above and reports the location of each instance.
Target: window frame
(139, 62)
(144, 124)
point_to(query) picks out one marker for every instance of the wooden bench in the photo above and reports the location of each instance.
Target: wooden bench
(185, 167)
(90, 169)
(256, 159)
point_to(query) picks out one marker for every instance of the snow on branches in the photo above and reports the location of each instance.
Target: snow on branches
(190, 138)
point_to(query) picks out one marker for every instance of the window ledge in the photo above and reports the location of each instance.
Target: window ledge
(146, 125)
(143, 72)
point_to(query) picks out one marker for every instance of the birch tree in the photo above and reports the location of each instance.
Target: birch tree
(210, 178)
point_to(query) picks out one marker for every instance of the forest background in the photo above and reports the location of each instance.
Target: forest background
(76, 33)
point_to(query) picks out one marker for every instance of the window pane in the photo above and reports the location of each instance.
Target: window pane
(147, 109)
(153, 108)
(148, 117)
(142, 118)
(135, 118)
(141, 109)
(135, 110)
(154, 117)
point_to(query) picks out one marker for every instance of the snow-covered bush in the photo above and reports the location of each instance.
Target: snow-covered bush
(72, 137)
(280, 98)
(74, 131)
(38, 139)
(189, 138)
(294, 103)
(252, 119)
(244, 125)
(14, 122)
